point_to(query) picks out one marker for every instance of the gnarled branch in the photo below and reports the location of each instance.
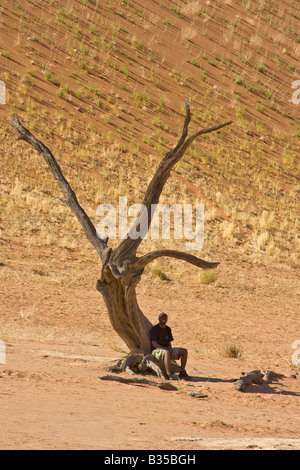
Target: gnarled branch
(142, 262)
(70, 198)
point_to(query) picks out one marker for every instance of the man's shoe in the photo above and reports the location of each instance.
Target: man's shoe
(184, 376)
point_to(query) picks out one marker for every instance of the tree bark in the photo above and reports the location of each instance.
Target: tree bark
(121, 268)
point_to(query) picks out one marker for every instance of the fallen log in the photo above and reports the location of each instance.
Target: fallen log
(139, 381)
(253, 377)
(152, 383)
(271, 376)
(196, 394)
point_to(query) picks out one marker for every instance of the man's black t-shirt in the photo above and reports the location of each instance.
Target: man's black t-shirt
(162, 336)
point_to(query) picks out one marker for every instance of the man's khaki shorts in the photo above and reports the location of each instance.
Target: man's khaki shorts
(159, 354)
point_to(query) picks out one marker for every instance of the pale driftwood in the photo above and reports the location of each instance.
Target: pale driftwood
(255, 376)
(121, 268)
(271, 376)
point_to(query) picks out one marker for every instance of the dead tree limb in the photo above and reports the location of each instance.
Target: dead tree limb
(70, 198)
(253, 377)
(142, 262)
(270, 376)
(139, 381)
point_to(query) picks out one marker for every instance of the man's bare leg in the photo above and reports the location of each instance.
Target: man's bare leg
(183, 354)
(167, 362)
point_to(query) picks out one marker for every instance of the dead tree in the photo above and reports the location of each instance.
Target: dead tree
(122, 268)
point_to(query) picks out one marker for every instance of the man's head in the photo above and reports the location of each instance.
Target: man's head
(163, 318)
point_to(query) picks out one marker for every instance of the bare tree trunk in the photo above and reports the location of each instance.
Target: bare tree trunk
(121, 268)
(125, 316)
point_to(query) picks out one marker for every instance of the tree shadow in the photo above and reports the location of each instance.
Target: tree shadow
(271, 389)
(274, 388)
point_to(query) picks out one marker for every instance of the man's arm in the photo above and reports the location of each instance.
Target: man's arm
(159, 346)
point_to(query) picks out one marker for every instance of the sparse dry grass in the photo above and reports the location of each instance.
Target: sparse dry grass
(232, 351)
(207, 277)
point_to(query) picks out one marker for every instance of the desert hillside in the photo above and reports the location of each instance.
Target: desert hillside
(104, 84)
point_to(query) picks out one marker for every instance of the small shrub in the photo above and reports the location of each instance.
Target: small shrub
(261, 68)
(61, 94)
(207, 277)
(156, 272)
(48, 75)
(232, 351)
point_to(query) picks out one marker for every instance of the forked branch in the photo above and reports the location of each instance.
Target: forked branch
(70, 198)
(129, 246)
(127, 249)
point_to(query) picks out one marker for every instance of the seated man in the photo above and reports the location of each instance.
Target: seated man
(161, 338)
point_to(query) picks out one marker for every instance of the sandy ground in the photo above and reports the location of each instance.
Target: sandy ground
(59, 343)
(52, 398)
